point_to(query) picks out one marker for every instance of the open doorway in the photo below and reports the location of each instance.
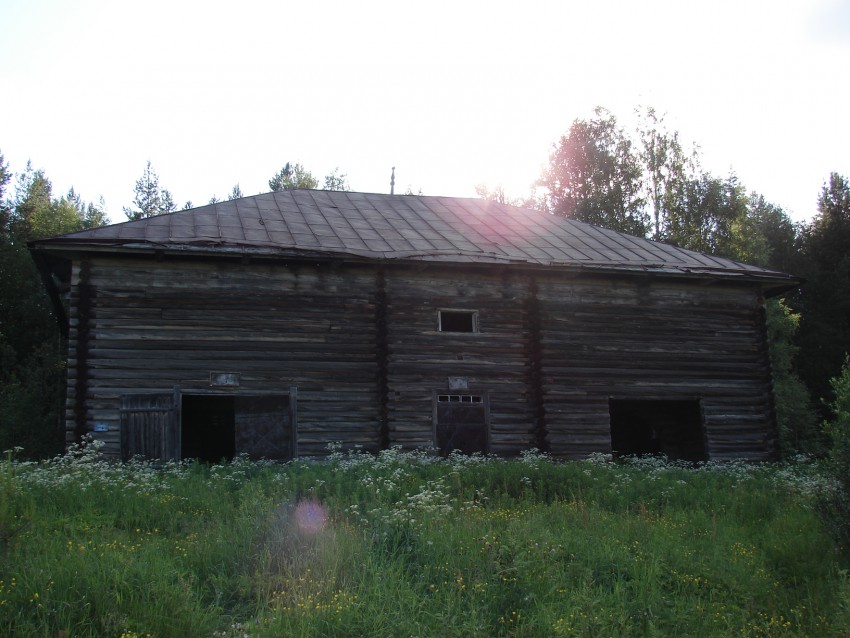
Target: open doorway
(208, 427)
(673, 428)
(218, 427)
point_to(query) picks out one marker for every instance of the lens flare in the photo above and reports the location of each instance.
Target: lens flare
(310, 517)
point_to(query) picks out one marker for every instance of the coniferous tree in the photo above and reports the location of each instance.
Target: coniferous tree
(31, 354)
(166, 202)
(32, 198)
(235, 192)
(824, 300)
(89, 214)
(779, 234)
(5, 177)
(150, 199)
(95, 214)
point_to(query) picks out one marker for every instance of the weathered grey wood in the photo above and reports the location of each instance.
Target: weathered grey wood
(366, 357)
(150, 426)
(337, 294)
(264, 428)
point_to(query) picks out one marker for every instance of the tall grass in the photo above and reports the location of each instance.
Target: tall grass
(405, 544)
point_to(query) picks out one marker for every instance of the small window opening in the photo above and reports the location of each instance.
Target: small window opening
(670, 428)
(458, 321)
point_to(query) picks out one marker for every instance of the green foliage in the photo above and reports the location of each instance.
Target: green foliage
(407, 544)
(835, 507)
(704, 212)
(31, 399)
(824, 300)
(32, 200)
(795, 415)
(834, 202)
(235, 192)
(648, 184)
(336, 181)
(35, 213)
(775, 235)
(150, 199)
(838, 429)
(498, 195)
(167, 204)
(666, 167)
(32, 373)
(5, 178)
(594, 176)
(292, 176)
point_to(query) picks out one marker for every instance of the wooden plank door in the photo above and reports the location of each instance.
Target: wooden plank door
(150, 426)
(461, 424)
(264, 427)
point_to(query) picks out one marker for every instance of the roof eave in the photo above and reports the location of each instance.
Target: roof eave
(772, 283)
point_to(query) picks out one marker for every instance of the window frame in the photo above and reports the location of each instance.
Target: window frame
(473, 316)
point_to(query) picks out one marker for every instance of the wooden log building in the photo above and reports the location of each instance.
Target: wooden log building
(273, 325)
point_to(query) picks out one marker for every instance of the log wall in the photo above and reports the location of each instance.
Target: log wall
(155, 325)
(493, 360)
(655, 340)
(363, 348)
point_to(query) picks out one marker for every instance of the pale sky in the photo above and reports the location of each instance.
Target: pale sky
(452, 94)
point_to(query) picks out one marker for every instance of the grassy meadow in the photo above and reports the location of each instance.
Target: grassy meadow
(405, 544)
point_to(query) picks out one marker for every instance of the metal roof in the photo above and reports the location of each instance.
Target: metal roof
(402, 227)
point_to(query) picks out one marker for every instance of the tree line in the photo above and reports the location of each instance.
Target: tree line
(644, 182)
(32, 358)
(150, 199)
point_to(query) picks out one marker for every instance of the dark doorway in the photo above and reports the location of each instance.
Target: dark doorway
(461, 424)
(208, 427)
(664, 427)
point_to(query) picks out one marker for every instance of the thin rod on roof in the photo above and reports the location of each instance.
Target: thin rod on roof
(392, 182)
